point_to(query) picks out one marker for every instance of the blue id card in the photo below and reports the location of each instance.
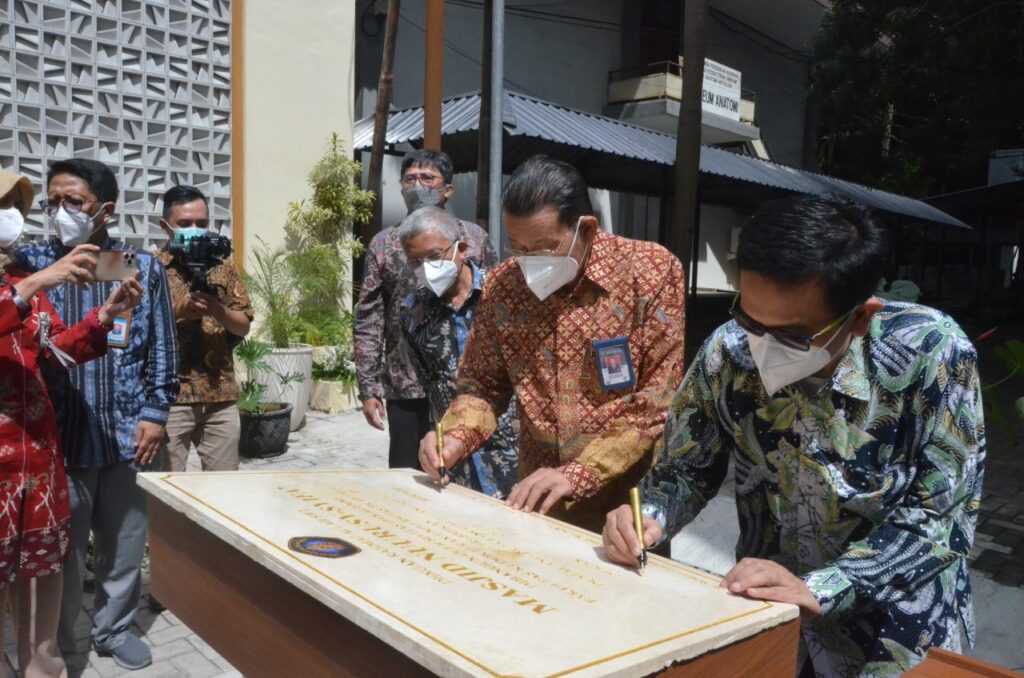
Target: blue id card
(118, 335)
(614, 364)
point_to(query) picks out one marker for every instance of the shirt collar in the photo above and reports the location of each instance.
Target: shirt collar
(851, 377)
(602, 269)
(478, 277)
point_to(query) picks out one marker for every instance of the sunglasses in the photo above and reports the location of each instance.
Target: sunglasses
(800, 342)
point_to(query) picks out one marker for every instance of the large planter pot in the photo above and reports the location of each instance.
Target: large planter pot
(297, 358)
(265, 434)
(333, 397)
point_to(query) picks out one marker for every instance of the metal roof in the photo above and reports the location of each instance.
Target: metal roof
(620, 156)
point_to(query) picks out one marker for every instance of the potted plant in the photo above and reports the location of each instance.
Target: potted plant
(319, 235)
(271, 284)
(334, 368)
(264, 425)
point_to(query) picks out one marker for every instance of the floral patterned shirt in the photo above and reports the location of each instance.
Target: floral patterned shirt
(384, 368)
(207, 367)
(868, 489)
(542, 352)
(435, 331)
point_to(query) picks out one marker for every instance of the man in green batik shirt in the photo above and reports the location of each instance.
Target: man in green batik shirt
(855, 427)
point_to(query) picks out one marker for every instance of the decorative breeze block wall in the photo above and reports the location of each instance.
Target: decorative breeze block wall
(141, 85)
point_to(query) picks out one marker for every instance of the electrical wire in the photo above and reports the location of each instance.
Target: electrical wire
(455, 48)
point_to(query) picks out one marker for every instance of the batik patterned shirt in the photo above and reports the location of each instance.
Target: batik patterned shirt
(206, 365)
(542, 353)
(384, 368)
(867, 489)
(436, 332)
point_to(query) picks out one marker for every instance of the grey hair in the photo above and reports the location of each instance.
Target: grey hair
(427, 219)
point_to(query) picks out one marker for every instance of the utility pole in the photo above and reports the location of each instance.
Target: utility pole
(380, 132)
(685, 209)
(433, 80)
(497, 121)
(483, 144)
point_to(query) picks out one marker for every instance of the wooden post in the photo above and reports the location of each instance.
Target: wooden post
(433, 80)
(679, 237)
(380, 114)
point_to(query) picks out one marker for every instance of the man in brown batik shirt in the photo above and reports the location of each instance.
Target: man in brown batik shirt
(209, 325)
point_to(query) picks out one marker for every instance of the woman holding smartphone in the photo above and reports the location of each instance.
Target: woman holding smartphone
(34, 508)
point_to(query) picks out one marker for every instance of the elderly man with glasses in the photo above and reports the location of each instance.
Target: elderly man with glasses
(573, 300)
(856, 431)
(436, 319)
(384, 367)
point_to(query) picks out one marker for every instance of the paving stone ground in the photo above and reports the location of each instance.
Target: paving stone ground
(346, 441)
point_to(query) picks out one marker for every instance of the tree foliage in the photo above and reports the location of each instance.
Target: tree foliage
(914, 95)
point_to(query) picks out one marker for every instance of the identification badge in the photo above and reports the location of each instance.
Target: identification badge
(614, 364)
(117, 337)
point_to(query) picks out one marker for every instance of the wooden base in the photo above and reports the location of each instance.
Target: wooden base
(939, 663)
(265, 626)
(769, 654)
(261, 624)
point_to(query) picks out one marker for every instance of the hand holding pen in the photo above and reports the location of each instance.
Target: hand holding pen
(438, 452)
(623, 542)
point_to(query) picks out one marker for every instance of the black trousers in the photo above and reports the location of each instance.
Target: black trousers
(408, 422)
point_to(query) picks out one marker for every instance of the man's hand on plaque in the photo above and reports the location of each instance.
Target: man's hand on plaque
(548, 484)
(621, 544)
(454, 451)
(767, 580)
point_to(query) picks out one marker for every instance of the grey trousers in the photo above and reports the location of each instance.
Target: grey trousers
(109, 503)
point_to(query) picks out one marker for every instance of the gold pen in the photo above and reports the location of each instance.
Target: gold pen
(638, 524)
(442, 470)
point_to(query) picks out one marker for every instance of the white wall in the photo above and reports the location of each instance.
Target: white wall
(716, 268)
(298, 84)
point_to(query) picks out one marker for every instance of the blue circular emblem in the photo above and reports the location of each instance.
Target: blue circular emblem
(324, 547)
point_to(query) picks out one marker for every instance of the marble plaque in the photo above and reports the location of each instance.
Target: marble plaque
(461, 583)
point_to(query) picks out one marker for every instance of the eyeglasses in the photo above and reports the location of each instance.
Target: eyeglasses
(426, 179)
(71, 205)
(513, 252)
(790, 339)
(435, 258)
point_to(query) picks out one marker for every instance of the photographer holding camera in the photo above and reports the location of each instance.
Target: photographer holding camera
(212, 313)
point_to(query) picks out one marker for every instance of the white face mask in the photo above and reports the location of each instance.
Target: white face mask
(439, 276)
(74, 229)
(544, 275)
(12, 223)
(780, 365)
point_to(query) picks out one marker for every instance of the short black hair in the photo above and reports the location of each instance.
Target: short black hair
(95, 174)
(544, 182)
(181, 195)
(826, 238)
(427, 158)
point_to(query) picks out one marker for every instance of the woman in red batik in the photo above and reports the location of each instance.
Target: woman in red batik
(34, 509)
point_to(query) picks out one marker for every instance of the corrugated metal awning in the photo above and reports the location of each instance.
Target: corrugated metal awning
(620, 156)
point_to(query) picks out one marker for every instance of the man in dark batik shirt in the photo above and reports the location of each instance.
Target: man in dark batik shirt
(436, 320)
(856, 431)
(384, 368)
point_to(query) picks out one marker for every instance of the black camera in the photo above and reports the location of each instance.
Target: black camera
(198, 255)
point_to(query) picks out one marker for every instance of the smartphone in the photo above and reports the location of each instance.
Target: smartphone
(115, 265)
